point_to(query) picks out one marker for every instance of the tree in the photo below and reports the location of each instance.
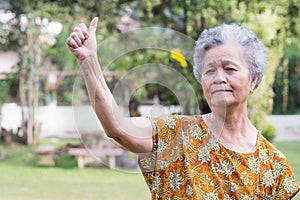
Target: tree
(286, 87)
(287, 84)
(27, 35)
(273, 22)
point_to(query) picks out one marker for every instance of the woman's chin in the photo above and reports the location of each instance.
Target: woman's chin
(221, 102)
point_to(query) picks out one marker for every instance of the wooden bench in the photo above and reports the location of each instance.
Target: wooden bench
(84, 156)
(46, 154)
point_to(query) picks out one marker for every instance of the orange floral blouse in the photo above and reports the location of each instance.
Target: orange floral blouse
(188, 162)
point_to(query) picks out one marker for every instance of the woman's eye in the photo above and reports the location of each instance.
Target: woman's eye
(209, 71)
(230, 68)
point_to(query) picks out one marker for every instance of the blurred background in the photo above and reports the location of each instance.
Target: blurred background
(46, 120)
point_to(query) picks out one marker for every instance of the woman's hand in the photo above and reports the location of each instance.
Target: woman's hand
(82, 41)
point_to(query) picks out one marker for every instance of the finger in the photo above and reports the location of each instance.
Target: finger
(79, 33)
(93, 25)
(76, 38)
(71, 43)
(84, 30)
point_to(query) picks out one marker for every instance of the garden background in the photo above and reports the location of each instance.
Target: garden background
(37, 72)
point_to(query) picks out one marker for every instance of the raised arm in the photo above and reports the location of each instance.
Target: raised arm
(135, 134)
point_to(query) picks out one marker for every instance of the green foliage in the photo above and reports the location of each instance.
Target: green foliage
(287, 84)
(268, 131)
(26, 155)
(44, 9)
(4, 85)
(275, 23)
(20, 155)
(61, 59)
(266, 128)
(63, 160)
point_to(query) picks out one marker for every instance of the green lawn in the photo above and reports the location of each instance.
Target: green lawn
(292, 150)
(29, 183)
(21, 179)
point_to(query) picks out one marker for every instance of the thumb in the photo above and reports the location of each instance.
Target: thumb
(93, 25)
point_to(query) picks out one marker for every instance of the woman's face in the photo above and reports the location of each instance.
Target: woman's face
(225, 76)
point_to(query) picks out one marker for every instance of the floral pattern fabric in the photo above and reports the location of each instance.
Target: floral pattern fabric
(188, 162)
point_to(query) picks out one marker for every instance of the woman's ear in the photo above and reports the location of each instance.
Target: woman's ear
(253, 82)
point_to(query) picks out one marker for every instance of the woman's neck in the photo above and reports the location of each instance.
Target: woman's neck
(233, 128)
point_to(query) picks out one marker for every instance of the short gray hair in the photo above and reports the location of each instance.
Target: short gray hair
(254, 50)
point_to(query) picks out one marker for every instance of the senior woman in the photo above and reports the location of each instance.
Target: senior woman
(219, 155)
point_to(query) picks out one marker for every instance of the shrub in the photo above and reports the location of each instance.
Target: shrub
(266, 127)
(268, 131)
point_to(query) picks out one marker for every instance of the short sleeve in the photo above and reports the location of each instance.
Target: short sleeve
(164, 130)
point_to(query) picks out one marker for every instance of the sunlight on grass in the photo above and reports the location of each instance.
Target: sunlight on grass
(31, 183)
(21, 178)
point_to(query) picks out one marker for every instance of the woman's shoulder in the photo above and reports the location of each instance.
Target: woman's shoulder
(269, 148)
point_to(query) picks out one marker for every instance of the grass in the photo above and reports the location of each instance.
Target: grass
(21, 178)
(53, 183)
(291, 150)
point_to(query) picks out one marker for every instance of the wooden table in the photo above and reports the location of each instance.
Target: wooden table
(95, 146)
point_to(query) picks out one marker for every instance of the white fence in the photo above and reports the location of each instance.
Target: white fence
(59, 120)
(55, 120)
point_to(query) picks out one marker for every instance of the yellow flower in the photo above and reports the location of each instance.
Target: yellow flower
(176, 55)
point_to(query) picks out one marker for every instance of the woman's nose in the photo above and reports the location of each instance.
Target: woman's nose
(220, 77)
